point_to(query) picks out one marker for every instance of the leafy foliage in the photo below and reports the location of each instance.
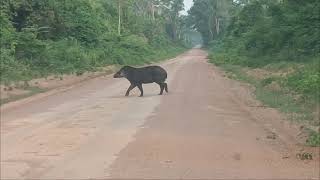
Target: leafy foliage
(314, 139)
(42, 37)
(306, 80)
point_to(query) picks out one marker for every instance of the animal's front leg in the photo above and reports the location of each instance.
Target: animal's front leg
(141, 90)
(130, 88)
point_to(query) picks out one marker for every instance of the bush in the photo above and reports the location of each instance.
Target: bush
(10, 69)
(306, 81)
(314, 139)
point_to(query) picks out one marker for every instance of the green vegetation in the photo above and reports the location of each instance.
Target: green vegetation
(31, 91)
(278, 38)
(294, 105)
(43, 37)
(314, 139)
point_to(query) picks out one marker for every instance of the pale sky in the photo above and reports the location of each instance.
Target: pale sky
(187, 5)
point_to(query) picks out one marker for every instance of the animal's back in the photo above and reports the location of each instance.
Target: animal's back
(152, 74)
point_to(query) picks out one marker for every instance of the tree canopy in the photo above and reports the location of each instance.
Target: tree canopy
(287, 29)
(40, 37)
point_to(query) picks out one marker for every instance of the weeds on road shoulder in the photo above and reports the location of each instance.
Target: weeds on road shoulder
(32, 90)
(294, 91)
(314, 138)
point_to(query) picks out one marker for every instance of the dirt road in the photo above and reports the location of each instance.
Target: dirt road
(201, 129)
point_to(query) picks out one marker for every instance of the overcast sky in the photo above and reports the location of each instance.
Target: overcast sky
(187, 6)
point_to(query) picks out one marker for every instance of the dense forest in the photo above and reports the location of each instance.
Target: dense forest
(257, 32)
(43, 37)
(276, 39)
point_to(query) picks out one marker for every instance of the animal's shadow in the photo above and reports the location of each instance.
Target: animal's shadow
(137, 96)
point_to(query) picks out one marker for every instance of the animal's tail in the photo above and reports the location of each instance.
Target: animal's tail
(165, 87)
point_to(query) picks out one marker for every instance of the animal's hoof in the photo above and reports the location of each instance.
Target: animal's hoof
(127, 95)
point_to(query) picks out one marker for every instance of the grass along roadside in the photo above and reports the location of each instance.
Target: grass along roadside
(271, 90)
(29, 92)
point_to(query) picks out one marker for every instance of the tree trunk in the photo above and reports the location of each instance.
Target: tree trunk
(174, 27)
(119, 18)
(211, 28)
(174, 31)
(152, 9)
(217, 25)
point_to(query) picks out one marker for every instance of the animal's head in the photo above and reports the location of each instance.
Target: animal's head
(122, 72)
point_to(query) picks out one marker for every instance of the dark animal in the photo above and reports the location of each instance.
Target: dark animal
(144, 75)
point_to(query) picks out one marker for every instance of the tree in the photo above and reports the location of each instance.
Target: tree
(119, 17)
(39, 37)
(210, 17)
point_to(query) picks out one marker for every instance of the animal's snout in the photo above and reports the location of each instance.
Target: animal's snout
(116, 75)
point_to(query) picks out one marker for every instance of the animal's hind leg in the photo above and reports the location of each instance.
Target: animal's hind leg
(162, 86)
(141, 90)
(165, 86)
(130, 88)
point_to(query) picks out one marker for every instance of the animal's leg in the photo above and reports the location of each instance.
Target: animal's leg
(130, 88)
(166, 86)
(140, 88)
(161, 87)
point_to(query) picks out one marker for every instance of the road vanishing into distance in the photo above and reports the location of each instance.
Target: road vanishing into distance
(203, 128)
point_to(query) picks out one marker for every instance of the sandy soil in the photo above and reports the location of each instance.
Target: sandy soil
(207, 127)
(7, 92)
